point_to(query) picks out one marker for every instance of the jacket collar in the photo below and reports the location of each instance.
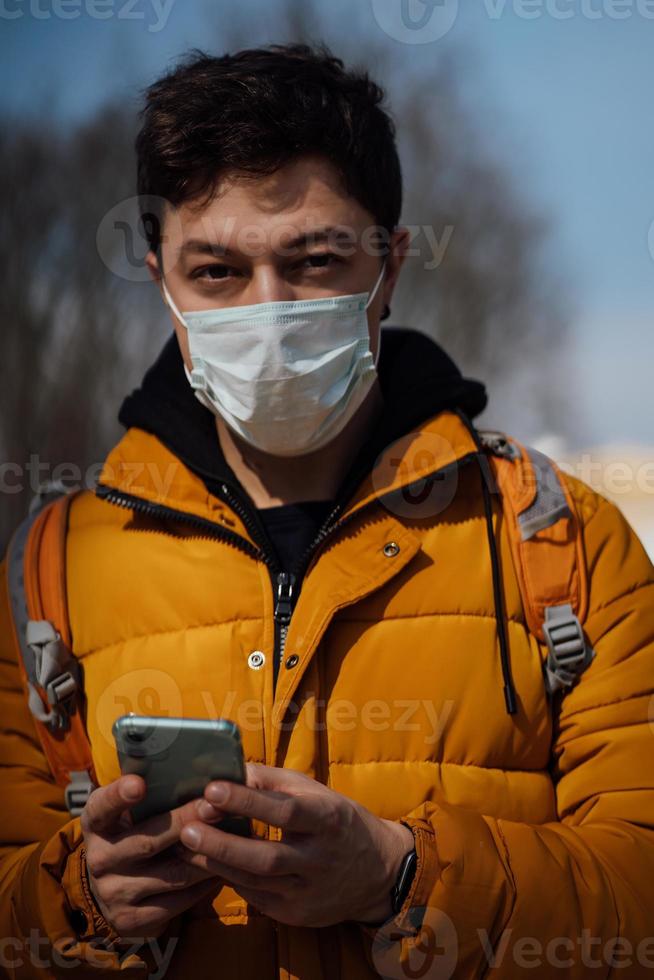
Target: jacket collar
(171, 455)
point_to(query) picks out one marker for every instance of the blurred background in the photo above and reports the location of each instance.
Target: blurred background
(527, 138)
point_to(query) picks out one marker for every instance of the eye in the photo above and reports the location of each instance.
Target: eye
(320, 260)
(214, 272)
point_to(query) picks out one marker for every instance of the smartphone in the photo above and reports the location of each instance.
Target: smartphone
(177, 757)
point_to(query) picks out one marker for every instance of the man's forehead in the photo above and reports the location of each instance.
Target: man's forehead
(293, 202)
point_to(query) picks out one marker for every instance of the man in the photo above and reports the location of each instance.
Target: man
(296, 532)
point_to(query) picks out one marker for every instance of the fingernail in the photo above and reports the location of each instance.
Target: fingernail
(131, 791)
(217, 792)
(191, 837)
(206, 811)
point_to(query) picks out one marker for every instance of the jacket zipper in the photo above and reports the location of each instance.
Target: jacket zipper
(283, 582)
(284, 604)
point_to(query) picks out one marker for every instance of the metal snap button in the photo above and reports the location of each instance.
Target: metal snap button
(391, 549)
(256, 660)
(292, 660)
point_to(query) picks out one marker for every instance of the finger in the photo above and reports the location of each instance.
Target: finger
(208, 812)
(167, 901)
(278, 884)
(160, 908)
(296, 814)
(260, 857)
(106, 804)
(146, 839)
(170, 874)
(260, 776)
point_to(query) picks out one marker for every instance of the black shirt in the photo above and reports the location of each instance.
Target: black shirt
(293, 527)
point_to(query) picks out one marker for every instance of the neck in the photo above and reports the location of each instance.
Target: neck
(273, 480)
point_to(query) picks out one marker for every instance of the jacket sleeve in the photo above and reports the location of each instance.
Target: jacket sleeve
(574, 897)
(43, 887)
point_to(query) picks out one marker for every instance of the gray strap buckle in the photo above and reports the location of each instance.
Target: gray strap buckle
(498, 444)
(569, 653)
(78, 791)
(54, 674)
(61, 688)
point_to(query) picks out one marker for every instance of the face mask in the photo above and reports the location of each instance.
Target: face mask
(286, 377)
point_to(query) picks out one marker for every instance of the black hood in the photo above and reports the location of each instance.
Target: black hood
(417, 379)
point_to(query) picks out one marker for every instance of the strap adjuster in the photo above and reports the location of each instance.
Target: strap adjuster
(78, 791)
(569, 653)
(61, 688)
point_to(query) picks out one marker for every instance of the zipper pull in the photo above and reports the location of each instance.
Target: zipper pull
(284, 603)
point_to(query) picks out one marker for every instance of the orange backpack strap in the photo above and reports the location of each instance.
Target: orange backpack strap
(548, 554)
(36, 580)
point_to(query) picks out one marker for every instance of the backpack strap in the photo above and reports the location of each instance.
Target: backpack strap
(36, 582)
(548, 554)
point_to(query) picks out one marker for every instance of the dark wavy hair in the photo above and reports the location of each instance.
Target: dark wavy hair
(251, 112)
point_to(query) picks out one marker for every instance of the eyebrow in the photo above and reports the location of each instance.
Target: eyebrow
(316, 236)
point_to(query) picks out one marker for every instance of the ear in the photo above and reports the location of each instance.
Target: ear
(152, 263)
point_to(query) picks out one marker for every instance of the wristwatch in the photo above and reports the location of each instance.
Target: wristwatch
(404, 879)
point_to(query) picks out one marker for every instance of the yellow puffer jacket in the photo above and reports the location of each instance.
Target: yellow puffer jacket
(535, 831)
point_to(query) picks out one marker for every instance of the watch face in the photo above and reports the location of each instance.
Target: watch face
(404, 880)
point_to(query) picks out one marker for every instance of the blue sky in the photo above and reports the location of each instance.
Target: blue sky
(569, 101)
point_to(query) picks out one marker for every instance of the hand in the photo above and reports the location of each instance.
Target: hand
(336, 861)
(137, 878)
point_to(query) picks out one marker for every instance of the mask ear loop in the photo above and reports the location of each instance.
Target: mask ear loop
(371, 297)
(373, 292)
(171, 303)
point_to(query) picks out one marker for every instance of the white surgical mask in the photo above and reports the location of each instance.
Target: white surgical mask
(286, 377)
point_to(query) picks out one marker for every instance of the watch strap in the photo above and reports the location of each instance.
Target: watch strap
(404, 880)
